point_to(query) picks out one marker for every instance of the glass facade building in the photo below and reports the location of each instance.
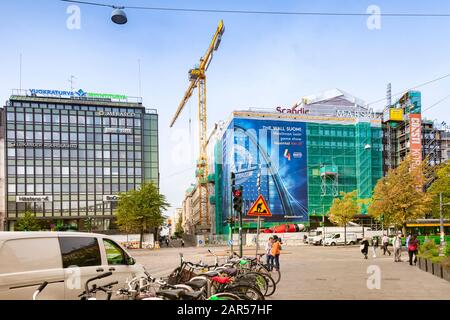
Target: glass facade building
(300, 160)
(66, 159)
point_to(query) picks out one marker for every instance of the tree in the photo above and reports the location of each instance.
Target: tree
(441, 184)
(141, 210)
(400, 196)
(344, 209)
(28, 223)
(179, 227)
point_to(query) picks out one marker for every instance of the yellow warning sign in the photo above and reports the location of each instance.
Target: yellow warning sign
(259, 208)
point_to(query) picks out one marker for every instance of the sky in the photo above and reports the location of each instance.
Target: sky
(263, 61)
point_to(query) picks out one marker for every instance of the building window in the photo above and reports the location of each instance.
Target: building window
(19, 117)
(12, 188)
(65, 171)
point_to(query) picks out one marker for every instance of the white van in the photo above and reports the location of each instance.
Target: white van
(64, 259)
(339, 239)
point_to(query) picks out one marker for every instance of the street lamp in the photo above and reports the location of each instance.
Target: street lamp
(118, 15)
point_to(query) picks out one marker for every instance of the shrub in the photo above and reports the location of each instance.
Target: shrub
(428, 250)
(447, 249)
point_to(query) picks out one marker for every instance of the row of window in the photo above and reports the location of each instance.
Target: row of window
(74, 154)
(72, 119)
(82, 171)
(69, 188)
(38, 136)
(35, 105)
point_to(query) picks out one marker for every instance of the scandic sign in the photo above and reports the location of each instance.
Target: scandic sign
(415, 127)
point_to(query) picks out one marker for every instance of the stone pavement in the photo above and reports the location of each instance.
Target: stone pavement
(316, 273)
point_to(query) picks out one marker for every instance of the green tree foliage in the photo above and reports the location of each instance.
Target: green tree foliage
(141, 210)
(399, 197)
(344, 209)
(441, 184)
(28, 223)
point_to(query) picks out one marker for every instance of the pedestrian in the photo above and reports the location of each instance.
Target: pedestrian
(397, 243)
(182, 243)
(374, 246)
(268, 251)
(364, 247)
(385, 241)
(276, 251)
(167, 242)
(407, 240)
(413, 246)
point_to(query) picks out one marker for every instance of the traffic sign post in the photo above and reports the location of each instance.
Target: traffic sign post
(259, 209)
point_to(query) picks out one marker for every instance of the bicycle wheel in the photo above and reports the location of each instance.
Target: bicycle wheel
(271, 285)
(245, 292)
(224, 296)
(254, 279)
(275, 274)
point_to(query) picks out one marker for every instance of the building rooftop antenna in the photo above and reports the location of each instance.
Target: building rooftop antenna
(72, 80)
(20, 72)
(140, 80)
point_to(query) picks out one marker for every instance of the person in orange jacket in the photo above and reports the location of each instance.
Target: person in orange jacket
(276, 251)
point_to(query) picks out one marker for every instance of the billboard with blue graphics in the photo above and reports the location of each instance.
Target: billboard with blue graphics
(271, 155)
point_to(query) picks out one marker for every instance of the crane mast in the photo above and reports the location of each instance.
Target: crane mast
(197, 79)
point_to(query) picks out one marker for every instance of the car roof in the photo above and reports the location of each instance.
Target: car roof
(7, 235)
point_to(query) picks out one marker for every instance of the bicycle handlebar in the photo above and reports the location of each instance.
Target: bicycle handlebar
(39, 289)
(104, 275)
(42, 286)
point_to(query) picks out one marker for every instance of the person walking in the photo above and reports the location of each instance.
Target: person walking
(385, 241)
(364, 247)
(374, 246)
(268, 252)
(413, 246)
(167, 242)
(398, 247)
(276, 251)
(182, 243)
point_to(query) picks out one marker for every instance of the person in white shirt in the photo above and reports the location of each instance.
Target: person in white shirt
(268, 251)
(398, 247)
(385, 242)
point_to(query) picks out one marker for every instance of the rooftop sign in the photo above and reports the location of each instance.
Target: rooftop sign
(79, 93)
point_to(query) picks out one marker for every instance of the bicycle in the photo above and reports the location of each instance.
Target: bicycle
(234, 283)
(257, 265)
(90, 294)
(139, 289)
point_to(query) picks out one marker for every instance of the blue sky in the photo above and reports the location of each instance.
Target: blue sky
(263, 61)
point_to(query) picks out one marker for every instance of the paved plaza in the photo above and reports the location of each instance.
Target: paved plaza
(314, 273)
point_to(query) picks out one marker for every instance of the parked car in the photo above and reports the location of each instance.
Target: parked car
(339, 239)
(64, 259)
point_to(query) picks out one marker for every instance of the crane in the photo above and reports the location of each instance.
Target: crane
(197, 79)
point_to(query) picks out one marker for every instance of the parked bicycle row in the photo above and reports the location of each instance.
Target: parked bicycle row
(239, 278)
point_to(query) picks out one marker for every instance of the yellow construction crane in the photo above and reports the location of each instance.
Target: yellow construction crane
(197, 79)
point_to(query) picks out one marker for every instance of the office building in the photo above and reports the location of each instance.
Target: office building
(69, 154)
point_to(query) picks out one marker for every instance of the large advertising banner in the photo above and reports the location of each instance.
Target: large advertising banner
(415, 127)
(271, 155)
